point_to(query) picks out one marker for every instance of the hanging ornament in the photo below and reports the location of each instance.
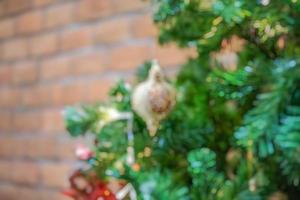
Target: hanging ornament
(102, 192)
(277, 196)
(86, 186)
(136, 167)
(259, 180)
(83, 153)
(80, 186)
(264, 2)
(154, 98)
(227, 57)
(233, 157)
(252, 184)
(281, 42)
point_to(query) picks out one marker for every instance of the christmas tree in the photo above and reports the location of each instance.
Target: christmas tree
(227, 127)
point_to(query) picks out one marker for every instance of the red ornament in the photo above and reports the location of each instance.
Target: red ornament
(101, 192)
(86, 186)
(83, 152)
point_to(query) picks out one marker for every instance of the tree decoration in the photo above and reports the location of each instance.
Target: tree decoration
(109, 114)
(265, 2)
(102, 193)
(281, 42)
(235, 131)
(83, 153)
(85, 186)
(233, 158)
(154, 98)
(227, 57)
(278, 196)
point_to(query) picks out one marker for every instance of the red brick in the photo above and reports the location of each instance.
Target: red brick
(92, 63)
(24, 73)
(27, 121)
(47, 148)
(9, 98)
(5, 167)
(2, 51)
(37, 96)
(2, 8)
(9, 192)
(16, 6)
(44, 44)
(129, 57)
(54, 149)
(29, 97)
(59, 15)
(38, 3)
(29, 22)
(57, 92)
(55, 68)
(35, 148)
(75, 39)
(73, 93)
(128, 5)
(53, 121)
(66, 94)
(29, 193)
(5, 74)
(66, 149)
(76, 92)
(25, 172)
(19, 172)
(97, 90)
(39, 148)
(10, 147)
(15, 49)
(170, 55)
(143, 26)
(7, 28)
(50, 195)
(112, 31)
(5, 122)
(55, 174)
(92, 9)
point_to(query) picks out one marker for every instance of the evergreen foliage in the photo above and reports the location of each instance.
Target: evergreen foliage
(233, 134)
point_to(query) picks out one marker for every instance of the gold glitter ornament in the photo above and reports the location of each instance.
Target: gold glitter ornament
(153, 99)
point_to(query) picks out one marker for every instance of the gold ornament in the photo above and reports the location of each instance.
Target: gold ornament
(233, 157)
(278, 196)
(136, 167)
(252, 184)
(281, 42)
(227, 57)
(153, 99)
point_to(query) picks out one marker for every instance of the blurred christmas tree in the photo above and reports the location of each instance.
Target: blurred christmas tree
(234, 132)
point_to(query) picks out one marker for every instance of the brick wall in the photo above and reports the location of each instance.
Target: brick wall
(55, 53)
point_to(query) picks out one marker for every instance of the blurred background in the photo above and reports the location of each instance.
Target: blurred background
(55, 53)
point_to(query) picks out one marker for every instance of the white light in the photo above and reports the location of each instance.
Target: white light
(265, 2)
